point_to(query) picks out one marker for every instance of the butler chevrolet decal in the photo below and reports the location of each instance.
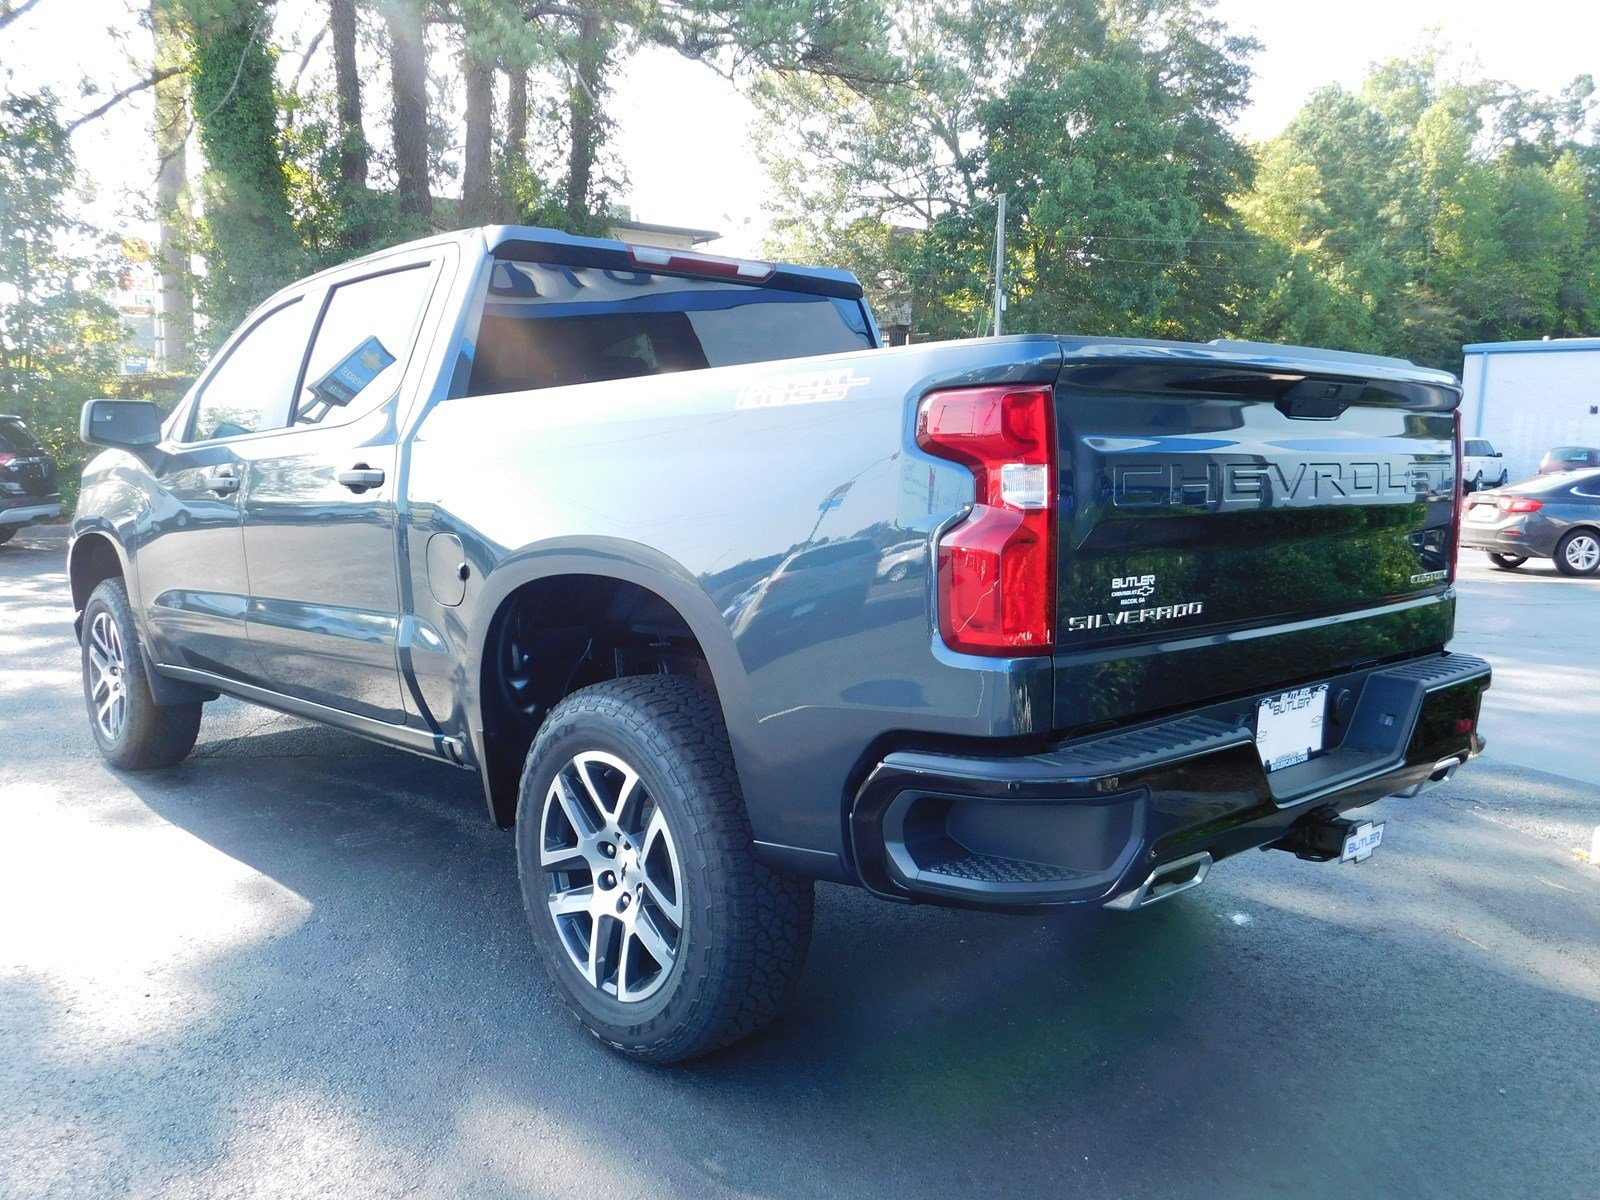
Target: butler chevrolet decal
(1131, 592)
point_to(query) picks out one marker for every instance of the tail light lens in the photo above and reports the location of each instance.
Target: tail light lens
(997, 568)
(1518, 504)
(5, 459)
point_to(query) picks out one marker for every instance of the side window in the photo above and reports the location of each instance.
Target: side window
(361, 344)
(251, 389)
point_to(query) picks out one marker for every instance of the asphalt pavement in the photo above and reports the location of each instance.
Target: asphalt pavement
(296, 966)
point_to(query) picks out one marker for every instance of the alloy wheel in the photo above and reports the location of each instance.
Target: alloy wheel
(108, 676)
(614, 877)
(1583, 552)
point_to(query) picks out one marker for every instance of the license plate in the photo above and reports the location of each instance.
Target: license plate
(1482, 512)
(1361, 841)
(1289, 727)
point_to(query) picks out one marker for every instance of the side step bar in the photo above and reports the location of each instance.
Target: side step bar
(1165, 881)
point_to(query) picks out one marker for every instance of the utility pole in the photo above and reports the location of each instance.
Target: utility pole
(999, 263)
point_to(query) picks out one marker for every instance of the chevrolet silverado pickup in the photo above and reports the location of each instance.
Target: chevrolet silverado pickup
(718, 597)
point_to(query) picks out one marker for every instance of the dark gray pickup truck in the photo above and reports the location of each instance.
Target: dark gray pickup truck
(718, 597)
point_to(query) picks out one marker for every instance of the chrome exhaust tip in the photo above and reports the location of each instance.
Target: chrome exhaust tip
(1443, 771)
(1164, 882)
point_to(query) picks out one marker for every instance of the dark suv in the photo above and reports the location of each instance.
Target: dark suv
(28, 490)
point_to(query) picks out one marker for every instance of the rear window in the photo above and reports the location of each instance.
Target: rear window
(549, 326)
(1573, 454)
(1542, 483)
(14, 439)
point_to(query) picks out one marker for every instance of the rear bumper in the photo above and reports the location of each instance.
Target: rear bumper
(1532, 536)
(1094, 820)
(27, 514)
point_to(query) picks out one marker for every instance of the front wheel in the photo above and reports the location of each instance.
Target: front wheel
(1578, 553)
(659, 926)
(1507, 562)
(131, 729)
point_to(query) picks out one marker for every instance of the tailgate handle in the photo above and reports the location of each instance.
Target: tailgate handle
(1320, 399)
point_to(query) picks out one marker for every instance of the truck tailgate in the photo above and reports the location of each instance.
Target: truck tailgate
(1233, 518)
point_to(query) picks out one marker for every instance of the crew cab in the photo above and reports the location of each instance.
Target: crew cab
(718, 597)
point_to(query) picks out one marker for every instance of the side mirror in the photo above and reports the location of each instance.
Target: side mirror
(123, 424)
(1496, 454)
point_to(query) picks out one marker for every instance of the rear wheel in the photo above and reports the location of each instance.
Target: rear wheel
(1578, 552)
(1507, 562)
(663, 932)
(1477, 483)
(7, 532)
(131, 729)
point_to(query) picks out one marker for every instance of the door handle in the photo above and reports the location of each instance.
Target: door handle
(361, 477)
(222, 480)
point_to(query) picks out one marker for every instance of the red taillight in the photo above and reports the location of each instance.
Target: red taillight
(1521, 504)
(997, 568)
(6, 458)
(701, 264)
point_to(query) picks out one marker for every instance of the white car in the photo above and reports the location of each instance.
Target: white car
(1482, 465)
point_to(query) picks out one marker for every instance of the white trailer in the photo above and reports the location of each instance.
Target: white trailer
(1527, 397)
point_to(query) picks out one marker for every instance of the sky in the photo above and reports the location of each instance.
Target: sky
(684, 133)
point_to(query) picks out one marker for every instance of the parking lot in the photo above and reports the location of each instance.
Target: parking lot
(297, 965)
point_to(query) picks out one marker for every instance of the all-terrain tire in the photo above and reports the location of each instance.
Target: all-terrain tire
(745, 928)
(147, 735)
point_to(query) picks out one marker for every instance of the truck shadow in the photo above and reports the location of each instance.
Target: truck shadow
(927, 1052)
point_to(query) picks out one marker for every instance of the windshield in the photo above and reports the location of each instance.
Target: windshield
(14, 439)
(551, 325)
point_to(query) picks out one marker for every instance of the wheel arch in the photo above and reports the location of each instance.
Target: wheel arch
(93, 557)
(612, 581)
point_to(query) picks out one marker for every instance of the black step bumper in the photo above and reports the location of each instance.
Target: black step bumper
(1093, 820)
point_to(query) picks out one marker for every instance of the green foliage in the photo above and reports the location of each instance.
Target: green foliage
(1406, 218)
(1424, 212)
(248, 236)
(1103, 123)
(59, 338)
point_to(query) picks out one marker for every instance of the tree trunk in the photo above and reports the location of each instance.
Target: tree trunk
(408, 75)
(347, 91)
(477, 168)
(517, 114)
(250, 247)
(584, 114)
(175, 323)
